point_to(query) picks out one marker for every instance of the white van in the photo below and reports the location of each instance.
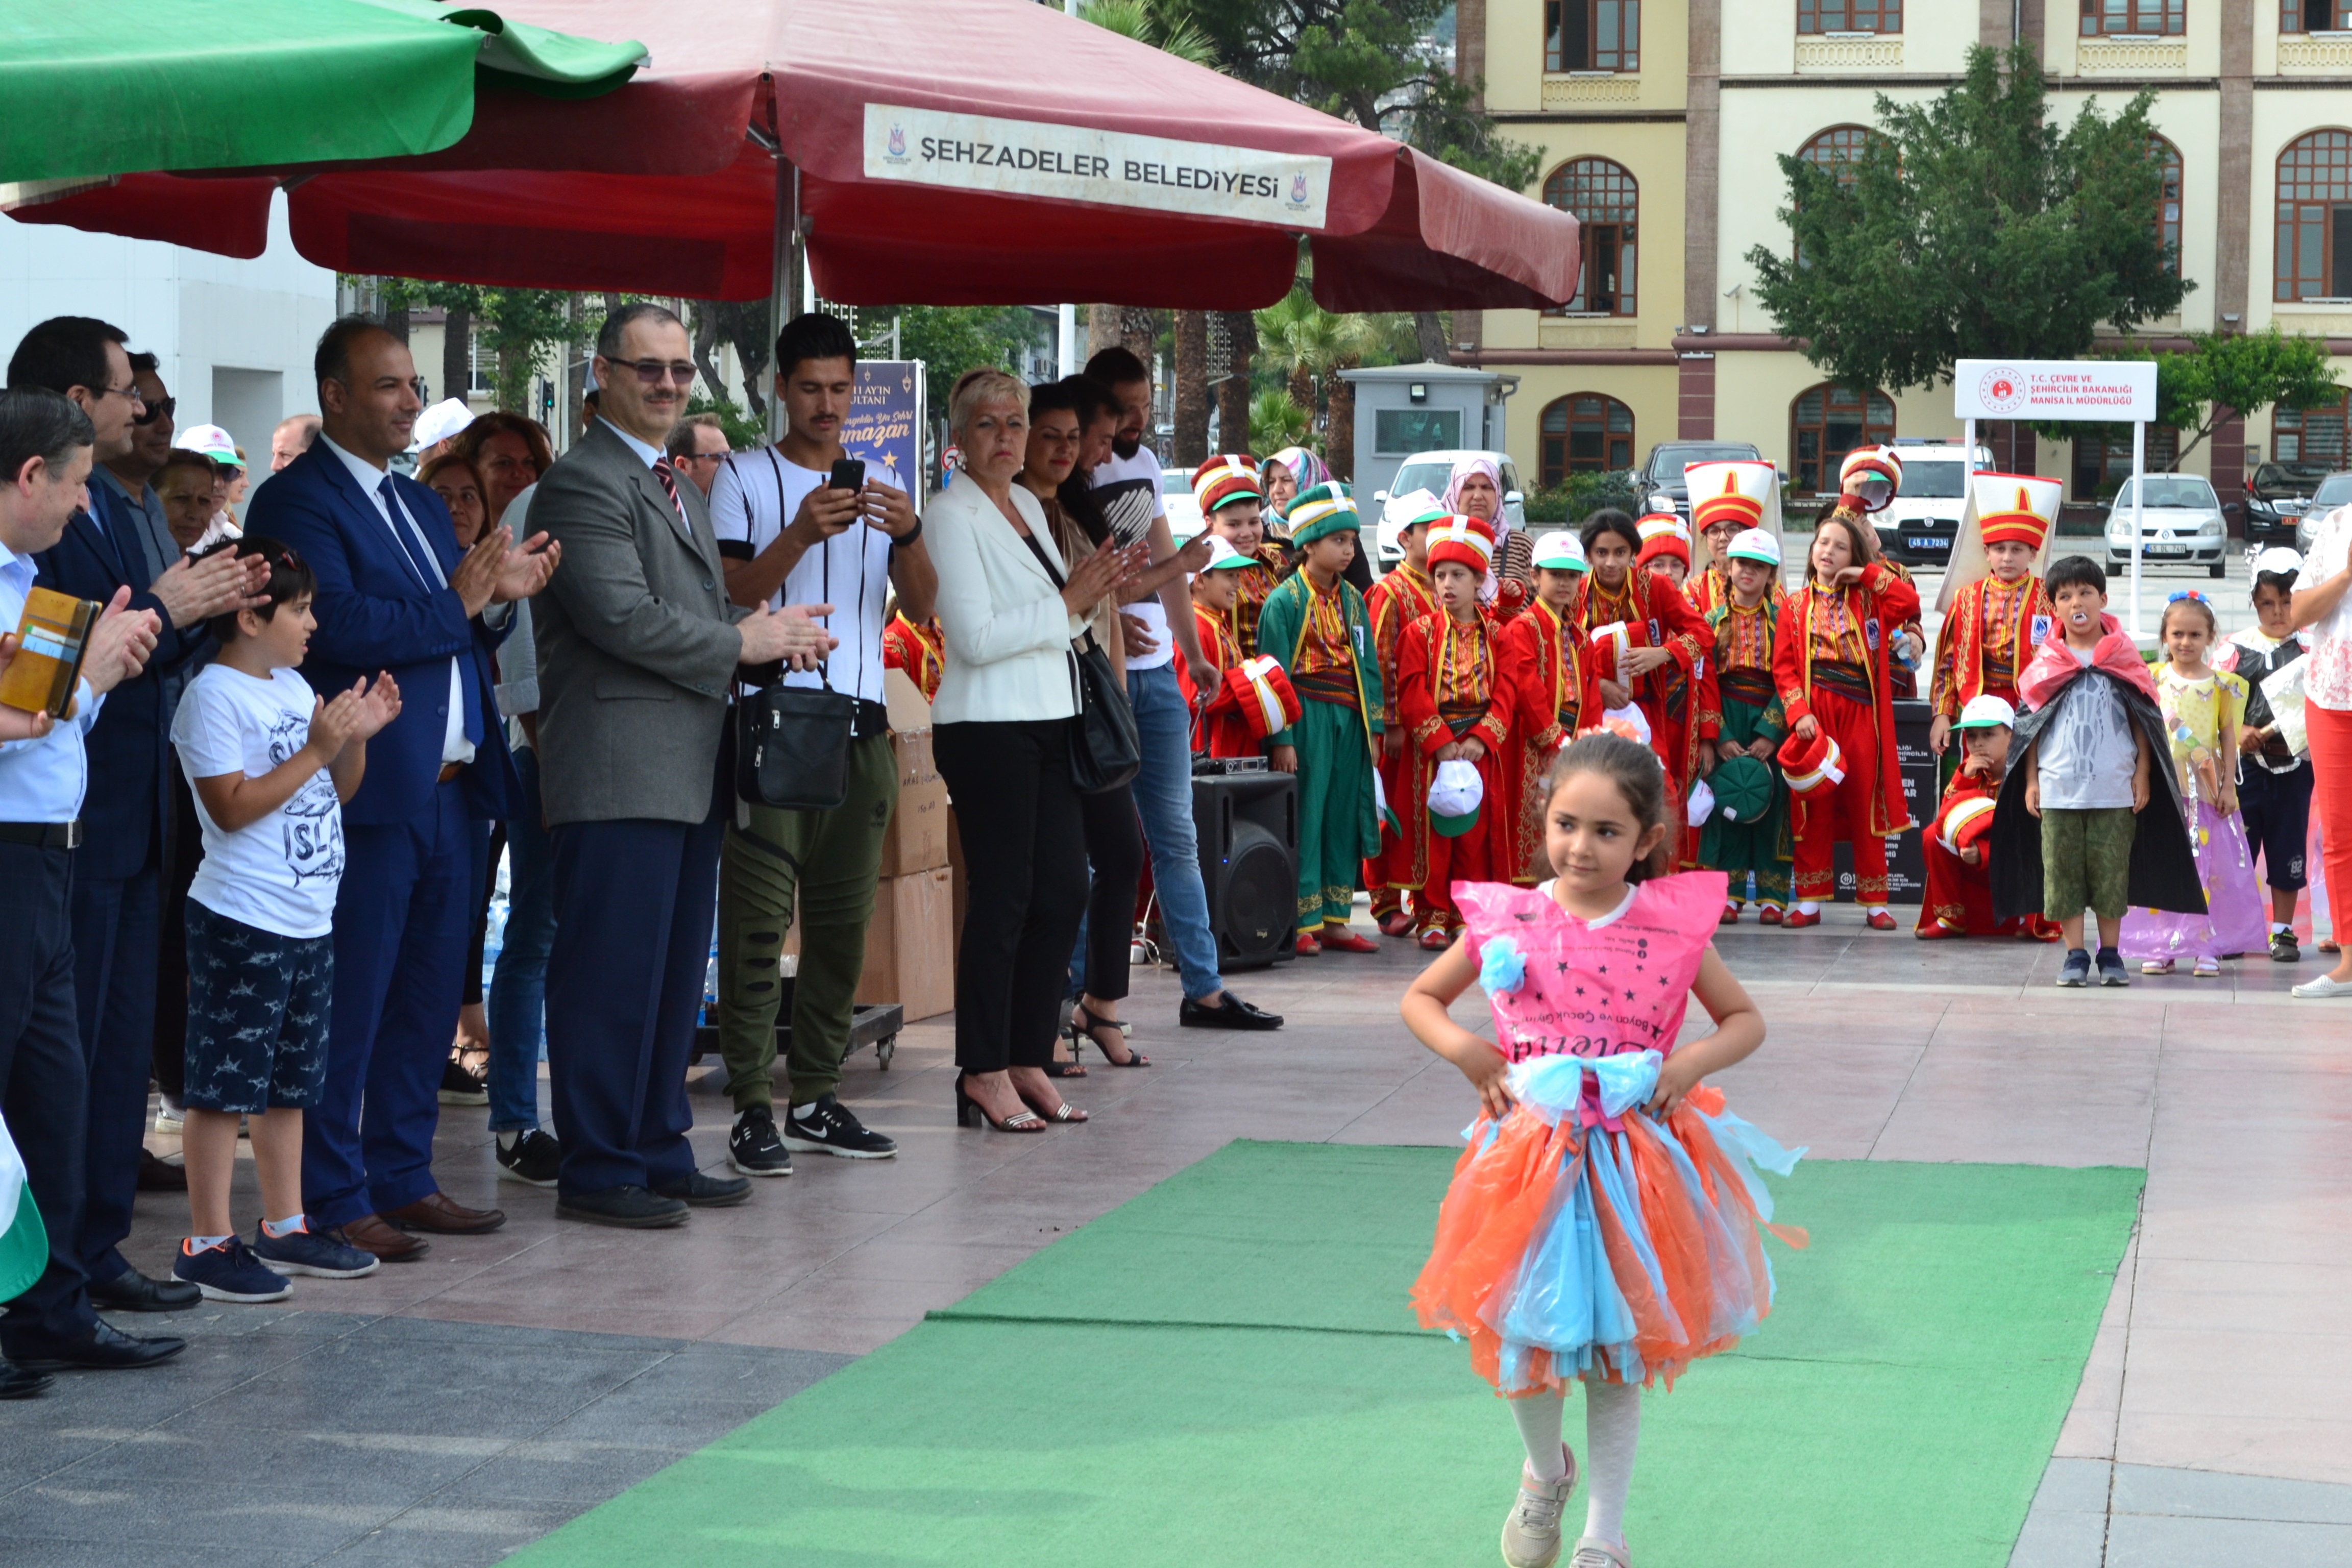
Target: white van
(1433, 472)
(1919, 524)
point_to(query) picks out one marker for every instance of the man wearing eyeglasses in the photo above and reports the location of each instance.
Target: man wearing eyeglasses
(116, 907)
(637, 643)
(697, 447)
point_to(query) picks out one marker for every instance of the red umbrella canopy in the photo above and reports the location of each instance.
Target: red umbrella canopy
(951, 152)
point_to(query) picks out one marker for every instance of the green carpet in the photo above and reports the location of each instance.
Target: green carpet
(1224, 1372)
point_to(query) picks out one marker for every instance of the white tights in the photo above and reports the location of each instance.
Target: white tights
(1613, 1430)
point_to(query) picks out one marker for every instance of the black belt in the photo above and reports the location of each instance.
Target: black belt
(873, 719)
(42, 835)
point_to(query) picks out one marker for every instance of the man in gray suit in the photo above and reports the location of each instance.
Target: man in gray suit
(638, 642)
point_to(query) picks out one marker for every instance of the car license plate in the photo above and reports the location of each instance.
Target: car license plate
(2167, 550)
(1915, 541)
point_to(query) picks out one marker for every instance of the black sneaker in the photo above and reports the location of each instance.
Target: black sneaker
(2076, 970)
(461, 1087)
(753, 1149)
(830, 1129)
(2111, 968)
(2285, 948)
(230, 1272)
(533, 1161)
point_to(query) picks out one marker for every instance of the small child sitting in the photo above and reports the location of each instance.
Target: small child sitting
(270, 763)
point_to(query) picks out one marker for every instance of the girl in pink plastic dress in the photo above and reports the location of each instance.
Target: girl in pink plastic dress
(1603, 1225)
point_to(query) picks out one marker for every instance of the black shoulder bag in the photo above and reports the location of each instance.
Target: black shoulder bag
(1106, 751)
(791, 743)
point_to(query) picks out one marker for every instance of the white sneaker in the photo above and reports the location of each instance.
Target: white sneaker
(169, 1117)
(1531, 1534)
(2325, 985)
(1592, 1551)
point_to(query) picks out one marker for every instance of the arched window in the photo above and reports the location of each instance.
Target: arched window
(1827, 422)
(1838, 147)
(2320, 436)
(1584, 432)
(2315, 217)
(2168, 203)
(2133, 17)
(1592, 34)
(1604, 199)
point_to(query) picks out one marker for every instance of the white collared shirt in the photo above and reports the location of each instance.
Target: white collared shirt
(649, 455)
(455, 747)
(43, 780)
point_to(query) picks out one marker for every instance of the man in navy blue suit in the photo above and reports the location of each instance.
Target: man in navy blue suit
(118, 873)
(397, 593)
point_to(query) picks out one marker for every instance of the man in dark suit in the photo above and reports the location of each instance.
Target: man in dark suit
(395, 592)
(118, 873)
(638, 642)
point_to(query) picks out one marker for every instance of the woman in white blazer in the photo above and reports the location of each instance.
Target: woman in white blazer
(1010, 608)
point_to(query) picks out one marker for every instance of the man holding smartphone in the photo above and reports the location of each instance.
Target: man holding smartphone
(804, 522)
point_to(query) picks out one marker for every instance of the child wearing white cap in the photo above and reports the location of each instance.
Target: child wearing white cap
(1552, 678)
(1959, 901)
(1753, 726)
(2275, 769)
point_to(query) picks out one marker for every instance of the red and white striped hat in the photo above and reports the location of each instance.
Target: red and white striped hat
(1466, 540)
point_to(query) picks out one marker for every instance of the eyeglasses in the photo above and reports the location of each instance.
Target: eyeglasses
(652, 371)
(702, 458)
(157, 408)
(130, 391)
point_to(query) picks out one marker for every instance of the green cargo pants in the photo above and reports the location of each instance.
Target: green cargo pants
(827, 864)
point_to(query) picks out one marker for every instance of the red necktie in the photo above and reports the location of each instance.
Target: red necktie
(669, 488)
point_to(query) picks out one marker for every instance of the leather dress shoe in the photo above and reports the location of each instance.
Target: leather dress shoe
(132, 1291)
(445, 1216)
(105, 1348)
(704, 1191)
(370, 1233)
(627, 1207)
(161, 1176)
(16, 1383)
(1232, 1013)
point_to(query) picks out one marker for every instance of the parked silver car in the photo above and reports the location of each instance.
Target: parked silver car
(2180, 524)
(2334, 490)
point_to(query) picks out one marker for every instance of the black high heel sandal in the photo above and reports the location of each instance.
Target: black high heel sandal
(1063, 1112)
(970, 1113)
(1078, 1031)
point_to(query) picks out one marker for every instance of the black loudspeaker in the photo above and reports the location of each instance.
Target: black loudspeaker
(1248, 828)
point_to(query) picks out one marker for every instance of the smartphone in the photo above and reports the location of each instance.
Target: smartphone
(848, 473)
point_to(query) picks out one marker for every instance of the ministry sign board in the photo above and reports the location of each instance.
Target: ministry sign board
(1075, 163)
(2107, 392)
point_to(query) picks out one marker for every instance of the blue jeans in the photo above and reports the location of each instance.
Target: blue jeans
(519, 985)
(1163, 796)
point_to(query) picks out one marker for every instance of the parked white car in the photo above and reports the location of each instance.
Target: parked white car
(1920, 522)
(1183, 507)
(1433, 472)
(2181, 524)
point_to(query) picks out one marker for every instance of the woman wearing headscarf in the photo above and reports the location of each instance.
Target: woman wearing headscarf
(1475, 491)
(1286, 473)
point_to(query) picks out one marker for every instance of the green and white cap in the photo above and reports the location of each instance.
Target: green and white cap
(1561, 551)
(23, 1243)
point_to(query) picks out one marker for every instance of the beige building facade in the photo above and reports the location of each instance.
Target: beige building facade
(1661, 124)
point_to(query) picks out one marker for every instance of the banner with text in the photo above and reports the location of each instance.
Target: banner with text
(1074, 163)
(2105, 391)
(886, 419)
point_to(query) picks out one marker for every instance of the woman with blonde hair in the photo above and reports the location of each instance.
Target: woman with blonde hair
(508, 452)
(1011, 608)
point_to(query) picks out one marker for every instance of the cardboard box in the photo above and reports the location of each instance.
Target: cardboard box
(916, 839)
(909, 948)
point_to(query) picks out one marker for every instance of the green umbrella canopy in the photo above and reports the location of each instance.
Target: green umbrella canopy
(90, 90)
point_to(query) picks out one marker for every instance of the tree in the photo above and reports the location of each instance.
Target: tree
(953, 338)
(518, 325)
(1971, 226)
(1189, 444)
(742, 325)
(1275, 422)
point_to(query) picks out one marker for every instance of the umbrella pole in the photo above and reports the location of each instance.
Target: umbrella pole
(785, 271)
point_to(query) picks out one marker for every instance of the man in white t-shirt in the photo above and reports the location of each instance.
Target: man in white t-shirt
(1127, 488)
(789, 535)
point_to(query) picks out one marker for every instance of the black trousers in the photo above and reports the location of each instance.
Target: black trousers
(1024, 852)
(1115, 850)
(635, 901)
(44, 1087)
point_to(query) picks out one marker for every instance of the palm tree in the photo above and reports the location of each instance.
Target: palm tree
(1275, 422)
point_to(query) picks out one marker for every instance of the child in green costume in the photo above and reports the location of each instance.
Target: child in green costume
(1744, 833)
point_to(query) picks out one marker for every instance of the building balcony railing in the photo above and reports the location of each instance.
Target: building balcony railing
(1850, 52)
(2315, 54)
(1586, 332)
(1581, 90)
(2130, 56)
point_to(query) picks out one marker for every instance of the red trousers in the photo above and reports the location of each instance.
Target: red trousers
(1828, 812)
(2331, 796)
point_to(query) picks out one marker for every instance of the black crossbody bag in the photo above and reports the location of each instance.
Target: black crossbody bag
(791, 743)
(1106, 749)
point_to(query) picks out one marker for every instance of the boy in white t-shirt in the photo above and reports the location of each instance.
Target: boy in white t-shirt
(270, 763)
